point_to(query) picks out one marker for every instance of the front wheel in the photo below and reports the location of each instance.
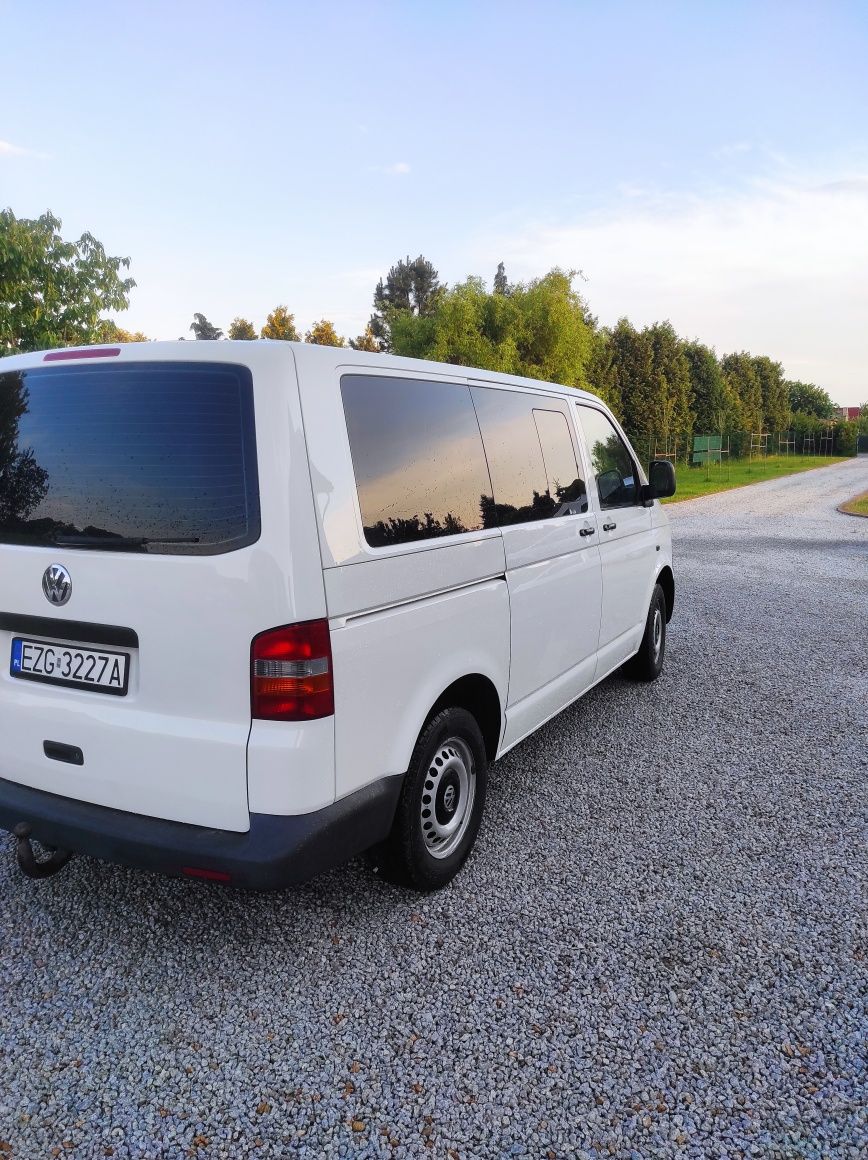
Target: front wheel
(441, 803)
(647, 664)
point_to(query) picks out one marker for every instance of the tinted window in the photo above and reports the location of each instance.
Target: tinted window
(611, 462)
(159, 452)
(566, 485)
(417, 456)
(526, 487)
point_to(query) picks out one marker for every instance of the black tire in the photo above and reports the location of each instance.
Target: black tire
(647, 664)
(415, 854)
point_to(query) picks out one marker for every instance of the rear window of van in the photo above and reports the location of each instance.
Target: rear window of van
(153, 457)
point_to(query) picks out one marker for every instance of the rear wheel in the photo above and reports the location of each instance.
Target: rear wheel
(441, 803)
(647, 664)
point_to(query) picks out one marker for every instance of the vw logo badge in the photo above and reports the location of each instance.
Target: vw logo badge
(56, 584)
(449, 796)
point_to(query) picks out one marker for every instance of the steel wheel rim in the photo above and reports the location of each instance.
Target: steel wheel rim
(447, 797)
(657, 632)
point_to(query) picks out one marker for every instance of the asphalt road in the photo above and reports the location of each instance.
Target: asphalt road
(659, 948)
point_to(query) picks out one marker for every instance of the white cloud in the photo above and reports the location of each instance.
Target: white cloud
(7, 149)
(731, 149)
(398, 168)
(780, 268)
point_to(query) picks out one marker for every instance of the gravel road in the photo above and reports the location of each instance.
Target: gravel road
(660, 947)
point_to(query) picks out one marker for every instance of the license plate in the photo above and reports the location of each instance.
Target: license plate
(76, 668)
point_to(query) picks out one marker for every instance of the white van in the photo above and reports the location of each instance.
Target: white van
(269, 605)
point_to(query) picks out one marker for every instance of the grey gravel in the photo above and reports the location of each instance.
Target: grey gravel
(659, 948)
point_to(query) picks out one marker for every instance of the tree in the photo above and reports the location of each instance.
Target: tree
(673, 420)
(775, 398)
(629, 368)
(323, 333)
(240, 328)
(538, 330)
(741, 378)
(109, 331)
(501, 286)
(709, 397)
(203, 329)
(554, 340)
(601, 371)
(411, 287)
(280, 325)
(52, 292)
(366, 341)
(808, 399)
(650, 375)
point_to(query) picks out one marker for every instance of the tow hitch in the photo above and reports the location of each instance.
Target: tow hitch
(27, 860)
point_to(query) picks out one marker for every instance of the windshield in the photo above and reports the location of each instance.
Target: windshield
(145, 457)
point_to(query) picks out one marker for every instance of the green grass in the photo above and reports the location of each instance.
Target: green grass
(708, 478)
(857, 506)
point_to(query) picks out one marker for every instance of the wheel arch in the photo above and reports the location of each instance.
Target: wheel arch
(479, 696)
(667, 582)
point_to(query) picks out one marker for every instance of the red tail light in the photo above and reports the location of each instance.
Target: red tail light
(291, 673)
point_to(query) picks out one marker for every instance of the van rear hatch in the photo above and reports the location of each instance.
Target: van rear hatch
(129, 504)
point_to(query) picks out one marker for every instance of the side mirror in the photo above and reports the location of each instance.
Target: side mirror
(661, 480)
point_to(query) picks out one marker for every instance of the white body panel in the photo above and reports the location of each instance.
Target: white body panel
(538, 611)
(628, 557)
(391, 666)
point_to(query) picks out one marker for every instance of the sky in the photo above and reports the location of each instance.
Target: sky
(703, 162)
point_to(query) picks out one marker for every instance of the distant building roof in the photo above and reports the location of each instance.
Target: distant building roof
(851, 412)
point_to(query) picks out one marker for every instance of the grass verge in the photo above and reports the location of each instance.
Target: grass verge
(857, 506)
(709, 478)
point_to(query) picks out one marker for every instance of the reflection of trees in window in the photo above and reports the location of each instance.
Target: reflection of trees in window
(23, 483)
(498, 515)
(610, 456)
(385, 533)
(614, 470)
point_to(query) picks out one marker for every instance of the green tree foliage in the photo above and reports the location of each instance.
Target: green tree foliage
(744, 385)
(554, 339)
(538, 330)
(52, 292)
(323, 333)
(649, 376)
(501, 286)
(280, 324)
(203, 329)
(775, 397)
(109, 331)
(240, 328)
(673, 415)
(710, 398)
(410, 287)
(807, 399)
(602, 370)
(366, 341)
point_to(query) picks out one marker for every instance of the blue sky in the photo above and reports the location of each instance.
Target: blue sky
(705, 162)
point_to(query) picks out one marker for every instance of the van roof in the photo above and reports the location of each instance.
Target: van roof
(304, 353)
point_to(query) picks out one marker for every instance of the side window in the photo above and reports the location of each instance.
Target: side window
(417, 457)
(611, 462)
(527, 485)
(566, 485)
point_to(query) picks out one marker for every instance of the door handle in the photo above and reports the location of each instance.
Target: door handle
(609, 527)
(586, 531)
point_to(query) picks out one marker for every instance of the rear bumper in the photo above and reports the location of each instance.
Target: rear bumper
(277, 850)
